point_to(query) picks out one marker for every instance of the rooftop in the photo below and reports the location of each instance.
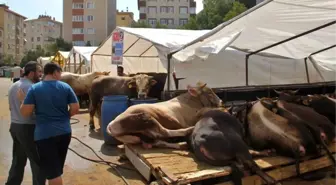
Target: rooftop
(11, 11)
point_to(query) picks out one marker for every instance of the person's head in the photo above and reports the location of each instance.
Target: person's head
(15, 65)
(120, 71)
(33, 71)
(53, 70)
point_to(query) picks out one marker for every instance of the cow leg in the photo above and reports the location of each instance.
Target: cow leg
(93, 108)
(164, 144)
(264, 153)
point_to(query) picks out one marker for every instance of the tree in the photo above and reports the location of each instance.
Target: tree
(144, 24)
(8, 59)
(236, 9)
(191, 25)
(59, 45)
(33, 55)
(88, 43)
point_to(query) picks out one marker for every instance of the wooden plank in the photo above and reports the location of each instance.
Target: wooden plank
(142, 167)
(287, 171)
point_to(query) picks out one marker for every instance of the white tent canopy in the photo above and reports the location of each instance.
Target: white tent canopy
(82, 53)
(266, 24)
(65, 54)
(145, 49)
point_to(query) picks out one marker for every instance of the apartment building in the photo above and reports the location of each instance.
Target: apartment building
(125, 19)
(173, 13)
(88, 21)
(42, 32)
(12, 39)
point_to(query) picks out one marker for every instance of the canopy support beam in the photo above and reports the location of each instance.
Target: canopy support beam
(130, 46)
(146, 50)
(307, 73)
(281, 42)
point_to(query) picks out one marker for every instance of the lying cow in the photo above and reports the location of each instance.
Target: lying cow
(267, 130)
(117, 85)
(150, 124)
(218, 139)
(81, 83)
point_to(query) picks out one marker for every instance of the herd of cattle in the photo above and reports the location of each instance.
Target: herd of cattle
(291, 125)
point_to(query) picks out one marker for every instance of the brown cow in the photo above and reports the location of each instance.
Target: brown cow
(81, 83)
(149, 124)
(117, 85)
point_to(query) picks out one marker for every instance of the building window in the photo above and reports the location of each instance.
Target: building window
(152, 22)
(183, 22)
(163, 9)
(170, 0)
(164, 21)
(192, 10)
(183, 10)
(32, 39)
(38, 39)
(90, 5)
(77, 5)
(170, 9)
(171, 21)
(0, 44)
(152, 9)
(142, 9)
(78, 43)
(91, 31)
(77, 31)
(0, 33)
(90, 18)
(77, 18)
(123, 18)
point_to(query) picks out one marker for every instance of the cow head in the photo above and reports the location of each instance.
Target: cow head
(143, 84)
(288, 95)
(269, 104)
(205, 94)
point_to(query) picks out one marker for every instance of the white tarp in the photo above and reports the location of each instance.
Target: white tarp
(269, 22)
(145, 49)
(44, 60)
(84, 51)
(65, 54)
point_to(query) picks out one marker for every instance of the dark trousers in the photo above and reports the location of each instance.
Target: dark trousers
(24, 147)
(15, 79)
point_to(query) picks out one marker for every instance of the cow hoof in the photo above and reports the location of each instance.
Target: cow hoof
(92, 128)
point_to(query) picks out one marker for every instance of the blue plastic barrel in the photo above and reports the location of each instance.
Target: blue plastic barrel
(111, 107)
(141, 101)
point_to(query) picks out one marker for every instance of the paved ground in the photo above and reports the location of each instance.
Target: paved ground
(77, 170)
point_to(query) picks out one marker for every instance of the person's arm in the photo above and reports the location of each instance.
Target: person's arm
(28, 105)
(73, 102)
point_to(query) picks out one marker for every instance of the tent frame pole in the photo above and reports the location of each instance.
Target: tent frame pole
(281, 42)
(316, 52)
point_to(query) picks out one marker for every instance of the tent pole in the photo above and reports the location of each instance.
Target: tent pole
(281, 42)
(306, 66)
(324, 49)
(169, 56)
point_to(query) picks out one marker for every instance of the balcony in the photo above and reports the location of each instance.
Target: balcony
(143, 16)
(141, 3)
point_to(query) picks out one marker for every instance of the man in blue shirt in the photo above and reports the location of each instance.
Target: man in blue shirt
(22, 130)
(50, 99)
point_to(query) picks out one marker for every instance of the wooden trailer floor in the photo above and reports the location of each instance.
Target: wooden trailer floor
(180, 167)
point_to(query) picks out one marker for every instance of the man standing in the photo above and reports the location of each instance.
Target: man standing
(22, 130)
(16, 73)
(120, 71)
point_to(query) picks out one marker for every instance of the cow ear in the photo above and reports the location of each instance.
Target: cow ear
(305, 102)
(192, 91)
(131, 83)
(153, 82)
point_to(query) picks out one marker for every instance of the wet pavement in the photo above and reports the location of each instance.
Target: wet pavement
(79, 171)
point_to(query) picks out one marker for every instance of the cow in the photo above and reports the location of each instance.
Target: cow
(117, 85)
(266, 130)
(217, 139)
(81, 83)
(150, 124)
(322, 104)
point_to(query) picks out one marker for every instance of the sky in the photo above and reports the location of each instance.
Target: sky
(33, 8)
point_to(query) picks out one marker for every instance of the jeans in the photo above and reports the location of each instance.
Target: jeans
(24, 147)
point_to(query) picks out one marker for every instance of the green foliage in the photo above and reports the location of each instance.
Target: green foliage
(8, 60)
(214, 13)
(33, 55)
(88, 43)
(59, 45)
(236, 9)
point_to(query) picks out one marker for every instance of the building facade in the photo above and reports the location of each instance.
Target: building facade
(173, 13)
(89, 21)
(124, 19)
(42, 32)
(12, 34)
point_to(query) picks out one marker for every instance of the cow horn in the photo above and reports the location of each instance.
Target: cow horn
(203, 86)
(278, 92)
(294, 92)
(258, 98)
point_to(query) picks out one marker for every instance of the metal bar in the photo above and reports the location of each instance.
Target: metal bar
(144, 56)
(306, 66)
(294, 37)
(131, 45)
(324, 49)
(281, 42)
(146, 50)
(169, 56)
